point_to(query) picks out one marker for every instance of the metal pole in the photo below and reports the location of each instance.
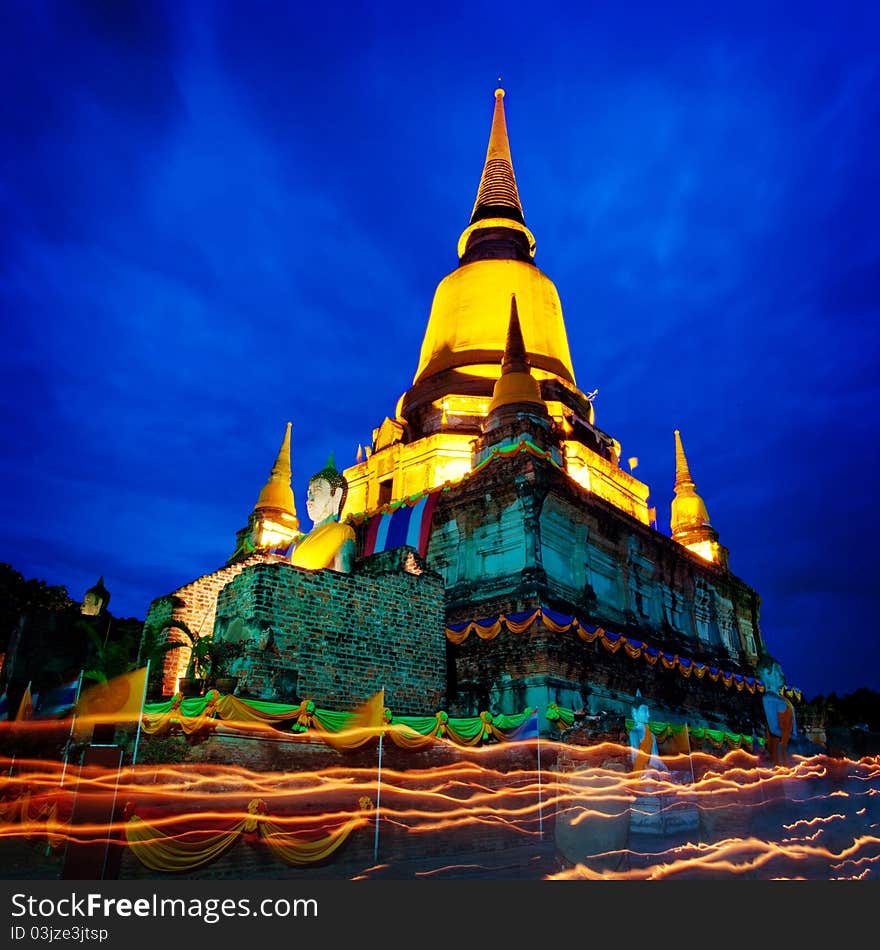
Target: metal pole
(378, 794)
(540, 808)
(687, 732)
(112, 818)
(72, 722)
(140, 715)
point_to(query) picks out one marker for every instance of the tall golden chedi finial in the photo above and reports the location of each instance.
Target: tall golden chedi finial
(497, 196)
(273, 522)
(689, 518)
(468, 320)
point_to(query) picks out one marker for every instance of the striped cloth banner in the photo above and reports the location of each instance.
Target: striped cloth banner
(410, 524)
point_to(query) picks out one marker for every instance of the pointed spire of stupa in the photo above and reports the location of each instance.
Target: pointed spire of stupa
(683, 479)
(515, 359)
(277, 492)
(497, 196)
(516, 383)
(689, 518)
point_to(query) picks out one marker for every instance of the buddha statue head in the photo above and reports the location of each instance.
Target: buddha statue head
(326, 495)
(95, 599)
(641, 715)
(770, 673)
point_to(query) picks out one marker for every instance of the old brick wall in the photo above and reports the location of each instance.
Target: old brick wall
(337, 638)
(195, 605)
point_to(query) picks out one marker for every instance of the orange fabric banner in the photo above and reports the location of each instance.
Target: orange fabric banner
(117, 700)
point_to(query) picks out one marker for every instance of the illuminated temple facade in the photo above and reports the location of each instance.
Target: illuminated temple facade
(554, 582)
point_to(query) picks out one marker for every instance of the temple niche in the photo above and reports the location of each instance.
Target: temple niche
(545, 577)
(704, 613)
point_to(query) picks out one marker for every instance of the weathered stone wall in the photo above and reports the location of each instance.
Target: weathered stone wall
(520, 524)
(337, 638)
(538, 667)
(520, 534)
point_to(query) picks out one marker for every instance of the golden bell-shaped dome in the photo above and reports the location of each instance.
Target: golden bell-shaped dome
(468, 322)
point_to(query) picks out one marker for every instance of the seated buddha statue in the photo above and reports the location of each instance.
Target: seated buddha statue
(329, 543)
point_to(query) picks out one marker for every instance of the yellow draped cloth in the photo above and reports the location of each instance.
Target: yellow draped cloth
(168, 853)
(646, 747)
(318, 549)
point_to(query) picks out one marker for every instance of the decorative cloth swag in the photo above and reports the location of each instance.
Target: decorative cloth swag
(41, 814)
(46, 817)
(342, 730)
(680, 734)
(173, 853)
(489, 628)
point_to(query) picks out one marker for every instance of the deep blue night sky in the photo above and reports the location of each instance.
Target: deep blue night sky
(218, 218)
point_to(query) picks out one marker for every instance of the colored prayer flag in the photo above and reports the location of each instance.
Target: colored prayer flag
(57, 702)
(365, 721)
(528, 729)
(409, 524)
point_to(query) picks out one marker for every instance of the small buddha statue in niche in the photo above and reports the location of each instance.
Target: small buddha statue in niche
(329, 543)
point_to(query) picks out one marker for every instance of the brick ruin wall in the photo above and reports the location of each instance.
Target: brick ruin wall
(195, 605)
(337, 638)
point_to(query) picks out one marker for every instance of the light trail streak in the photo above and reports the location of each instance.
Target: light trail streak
(738, 817)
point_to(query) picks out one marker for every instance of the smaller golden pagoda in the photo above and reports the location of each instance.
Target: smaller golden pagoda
(273, 522)
(689, 519)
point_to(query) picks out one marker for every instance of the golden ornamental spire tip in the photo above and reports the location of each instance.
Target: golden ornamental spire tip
(497, 195)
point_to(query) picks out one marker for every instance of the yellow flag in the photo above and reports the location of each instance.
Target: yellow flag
(362, 726)
(371, 714)
(118, 700)
(26, 706)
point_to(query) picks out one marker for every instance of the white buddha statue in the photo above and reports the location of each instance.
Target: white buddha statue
(781, 724)
(643, 742)
(329, 543)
